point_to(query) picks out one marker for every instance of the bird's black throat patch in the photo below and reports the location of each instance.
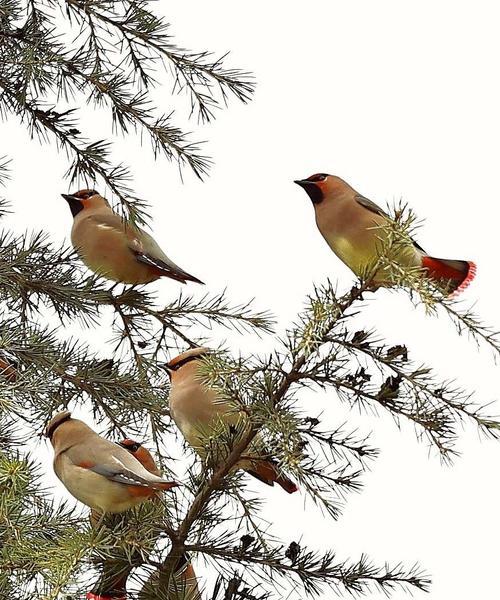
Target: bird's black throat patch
(313, 191)
(75, 204)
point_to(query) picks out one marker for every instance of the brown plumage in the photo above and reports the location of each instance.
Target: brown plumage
(114, 248)
(142, 454)
(353, 227)
(196, 409)
(98, 472)
(186, 575)
(113, 586)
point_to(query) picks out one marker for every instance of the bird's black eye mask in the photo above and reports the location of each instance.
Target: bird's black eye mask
(75, 200)
(183, 362)
(50, 432)
(130, 447)
(317, 177)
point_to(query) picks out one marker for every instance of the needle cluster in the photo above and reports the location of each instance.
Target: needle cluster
(109, 53)
(56, 55)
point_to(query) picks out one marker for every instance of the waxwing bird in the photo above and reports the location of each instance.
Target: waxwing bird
(185, 571)
(112, 585)
(196, 408)
(115, 249)
(97, 472)
(353, 226)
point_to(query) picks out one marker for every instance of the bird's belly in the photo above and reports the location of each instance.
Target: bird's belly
(360, 253)
(199, 414)
(357, 256)
(110, 256)
(96, 491)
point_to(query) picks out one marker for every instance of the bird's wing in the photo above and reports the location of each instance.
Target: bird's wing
(371, 206)
(375, 208)
(119, 473)
(113, 462)
(142, 245)
(108, 220)
(149, 252)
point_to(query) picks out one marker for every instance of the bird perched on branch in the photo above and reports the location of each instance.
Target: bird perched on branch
(115, 249)
(112, 583)
(185, 571)
(97, 472)
(355, 228)
(197, 409)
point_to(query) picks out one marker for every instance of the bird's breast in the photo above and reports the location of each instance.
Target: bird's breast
(106, 251)
(197, 412)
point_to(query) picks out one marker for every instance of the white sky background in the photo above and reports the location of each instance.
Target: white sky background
(401, 100)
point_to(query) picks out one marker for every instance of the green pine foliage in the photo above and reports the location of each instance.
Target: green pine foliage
(56, 51)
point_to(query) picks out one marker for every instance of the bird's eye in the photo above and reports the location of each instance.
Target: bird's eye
(134, 447)
(318, 177)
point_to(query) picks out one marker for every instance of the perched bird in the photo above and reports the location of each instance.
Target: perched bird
(118, 250)
(185, 571)
(352, 226)
(112, 583)
(97, 472)
(197, 409)
(142, 454)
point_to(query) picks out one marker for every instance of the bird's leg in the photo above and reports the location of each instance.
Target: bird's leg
(100, 522)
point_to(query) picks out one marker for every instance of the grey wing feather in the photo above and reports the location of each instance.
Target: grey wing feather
(375, 208)
(108, 220)
(370, 205)
(119, 474)
(143, 246)
(154, 256)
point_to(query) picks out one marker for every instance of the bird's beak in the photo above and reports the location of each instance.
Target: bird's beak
(168, 370)
(304, 183)
(312, 189)
(75, 204)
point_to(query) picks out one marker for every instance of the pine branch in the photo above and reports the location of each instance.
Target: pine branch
(420, 381)
(203, 495)
(313, 570)
(110, 61)
(147, 39)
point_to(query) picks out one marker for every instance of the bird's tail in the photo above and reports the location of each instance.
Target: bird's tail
(267, 472)
(164, 485)
(455, 275)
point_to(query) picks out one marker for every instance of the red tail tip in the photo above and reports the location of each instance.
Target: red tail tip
(471, 273)
(168, 485)
(287, 484)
